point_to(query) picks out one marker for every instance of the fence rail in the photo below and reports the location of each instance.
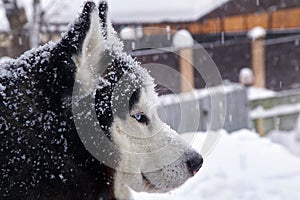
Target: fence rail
(278, 112)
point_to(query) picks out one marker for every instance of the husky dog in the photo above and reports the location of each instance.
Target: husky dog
(49, 147)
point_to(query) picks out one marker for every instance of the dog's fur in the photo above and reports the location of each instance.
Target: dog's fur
(43, 155)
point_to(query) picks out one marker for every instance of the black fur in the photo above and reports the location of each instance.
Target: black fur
(135, 97)
(117, 75)
(41, 154)
(103, 16)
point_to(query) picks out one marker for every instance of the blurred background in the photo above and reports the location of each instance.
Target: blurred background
(220, 26)
(255, 45)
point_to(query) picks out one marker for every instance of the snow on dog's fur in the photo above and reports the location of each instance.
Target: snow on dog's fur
(45, 141)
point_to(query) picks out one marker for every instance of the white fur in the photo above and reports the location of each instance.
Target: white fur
(154, 150)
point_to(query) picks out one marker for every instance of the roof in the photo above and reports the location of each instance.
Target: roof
(155, 11)
(125, 11)
(237, 7)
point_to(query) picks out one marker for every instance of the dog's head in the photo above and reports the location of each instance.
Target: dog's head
(152, 157)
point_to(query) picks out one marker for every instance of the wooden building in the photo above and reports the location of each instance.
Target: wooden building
(237, 16)
(223, 34)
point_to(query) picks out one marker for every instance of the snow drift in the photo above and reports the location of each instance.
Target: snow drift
(242, 166)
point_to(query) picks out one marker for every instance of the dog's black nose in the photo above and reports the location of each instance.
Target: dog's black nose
(194, 163)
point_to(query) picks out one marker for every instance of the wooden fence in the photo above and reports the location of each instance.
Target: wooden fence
(278, 112)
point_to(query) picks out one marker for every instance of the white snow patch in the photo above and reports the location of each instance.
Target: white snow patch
(183, 39)
(257, 32)
(290, 139)
(255, 93)
(280, 110)
(246, 76)
(128, 33)
(242, 166)
(197, 94)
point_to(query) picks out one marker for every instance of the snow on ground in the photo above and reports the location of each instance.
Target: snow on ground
(198, 93)
(289, 139)
(242, 166)
(259, 93)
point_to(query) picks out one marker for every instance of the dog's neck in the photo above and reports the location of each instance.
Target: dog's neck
(113, 187)
(121, 190)
(94, 179)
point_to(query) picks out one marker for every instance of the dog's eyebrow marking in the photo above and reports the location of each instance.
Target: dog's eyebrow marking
(135, 97)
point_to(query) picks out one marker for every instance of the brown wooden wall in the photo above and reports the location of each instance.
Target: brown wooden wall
(281, 19)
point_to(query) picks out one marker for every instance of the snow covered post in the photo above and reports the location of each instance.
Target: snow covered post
(257, 35)
(183, 42)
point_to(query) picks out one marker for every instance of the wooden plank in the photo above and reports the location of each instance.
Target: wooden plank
(281, 122)
(235, 23)
(194, 28)
(211, 26)
(289, 18)
(258, 63)
(272, 116)
(187, 70)
(156, 29)
(281, 19)
(290, 97)
(293, 16)
(254, 20)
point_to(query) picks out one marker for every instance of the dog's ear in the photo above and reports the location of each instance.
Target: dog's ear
(85, 42)
(93, 43)
(108, 31)
(103, 8)
(84, 31)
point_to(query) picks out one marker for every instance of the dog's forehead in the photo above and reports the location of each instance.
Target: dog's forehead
(123, 67)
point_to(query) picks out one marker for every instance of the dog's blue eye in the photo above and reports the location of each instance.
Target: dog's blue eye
(141, 118)
(138, 116)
